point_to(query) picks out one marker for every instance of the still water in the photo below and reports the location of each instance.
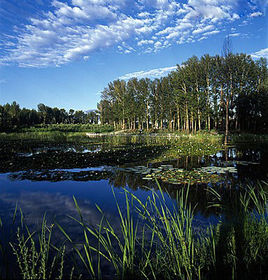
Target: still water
(43, 177)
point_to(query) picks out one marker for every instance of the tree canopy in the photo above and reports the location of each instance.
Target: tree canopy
(13, 117)
(213, 92)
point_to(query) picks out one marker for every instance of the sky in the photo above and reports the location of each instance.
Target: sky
(63, 53)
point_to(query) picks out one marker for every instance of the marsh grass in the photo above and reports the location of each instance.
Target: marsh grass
(55, 136)
(36, 256)
(249, 138)
(55, 132)
(241, 238)
(155, 240)
(96, 128)
(163, 243)
(34, 135)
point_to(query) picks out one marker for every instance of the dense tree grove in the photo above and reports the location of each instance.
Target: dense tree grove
(213, 92)
(13, 117)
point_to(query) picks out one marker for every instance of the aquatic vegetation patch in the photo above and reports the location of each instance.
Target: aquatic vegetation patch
(218, 169)
(60, 175)
(176, 176)
(246, 163)
(181, 176)
(190, 147)
(59, 159)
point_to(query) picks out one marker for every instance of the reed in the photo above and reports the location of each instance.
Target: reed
(162, 242)
(156, 240)
(37, 257)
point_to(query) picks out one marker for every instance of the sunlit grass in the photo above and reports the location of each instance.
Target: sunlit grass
(153, 240)
(163, 244)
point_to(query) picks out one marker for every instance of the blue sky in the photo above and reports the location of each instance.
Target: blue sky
(64, 52)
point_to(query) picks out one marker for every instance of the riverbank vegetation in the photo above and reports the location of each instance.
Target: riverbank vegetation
(95, 128)
(76, 151)
(55, 132)
(153, 240)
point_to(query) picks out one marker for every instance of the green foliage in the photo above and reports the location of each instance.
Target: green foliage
(242, 239)
(163, 244)
(222, 93)
(56, 132)
(155, 240)
(249, 138)
(96, 128)
(13, 118)
(34, 257)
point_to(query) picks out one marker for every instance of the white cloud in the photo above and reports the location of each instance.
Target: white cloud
(202, 29)
(78, 28)
(234, 34)
(211, 33)
(202, 38)
(255, 14)
(154, 73)
(260, 53)
(145, 42)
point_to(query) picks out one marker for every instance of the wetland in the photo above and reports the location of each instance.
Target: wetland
(95, 175)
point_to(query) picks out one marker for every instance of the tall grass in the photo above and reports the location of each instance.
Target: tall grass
(55, 132)
(36, 256)
(97, 128)
(163, 244)
(249, 138)
(34, 135)
(156, 240)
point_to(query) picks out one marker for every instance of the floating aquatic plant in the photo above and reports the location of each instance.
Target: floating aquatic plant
(218, 169)
(61, 175)
(169, 174)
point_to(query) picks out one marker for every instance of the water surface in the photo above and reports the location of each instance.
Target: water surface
(43, 177)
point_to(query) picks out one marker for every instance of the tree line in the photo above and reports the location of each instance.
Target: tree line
(13, 117)
(228, 92)
(213, 92)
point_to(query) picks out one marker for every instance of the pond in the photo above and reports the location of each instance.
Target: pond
(43, 177)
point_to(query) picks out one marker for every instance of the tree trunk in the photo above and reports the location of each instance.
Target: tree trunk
(208, 102)
(147, 116)
(221, 105)
(199, 119)
(192, 120)
(226, 121)
(178, 118)
(187, 118)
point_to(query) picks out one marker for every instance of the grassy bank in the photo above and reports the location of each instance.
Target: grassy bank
(67, 132)
(154, 241)
(75, 131)
(96, 128)
(43, 136)
(55, 132)
(249, 138)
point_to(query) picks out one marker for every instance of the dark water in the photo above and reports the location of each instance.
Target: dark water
(43, 177)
